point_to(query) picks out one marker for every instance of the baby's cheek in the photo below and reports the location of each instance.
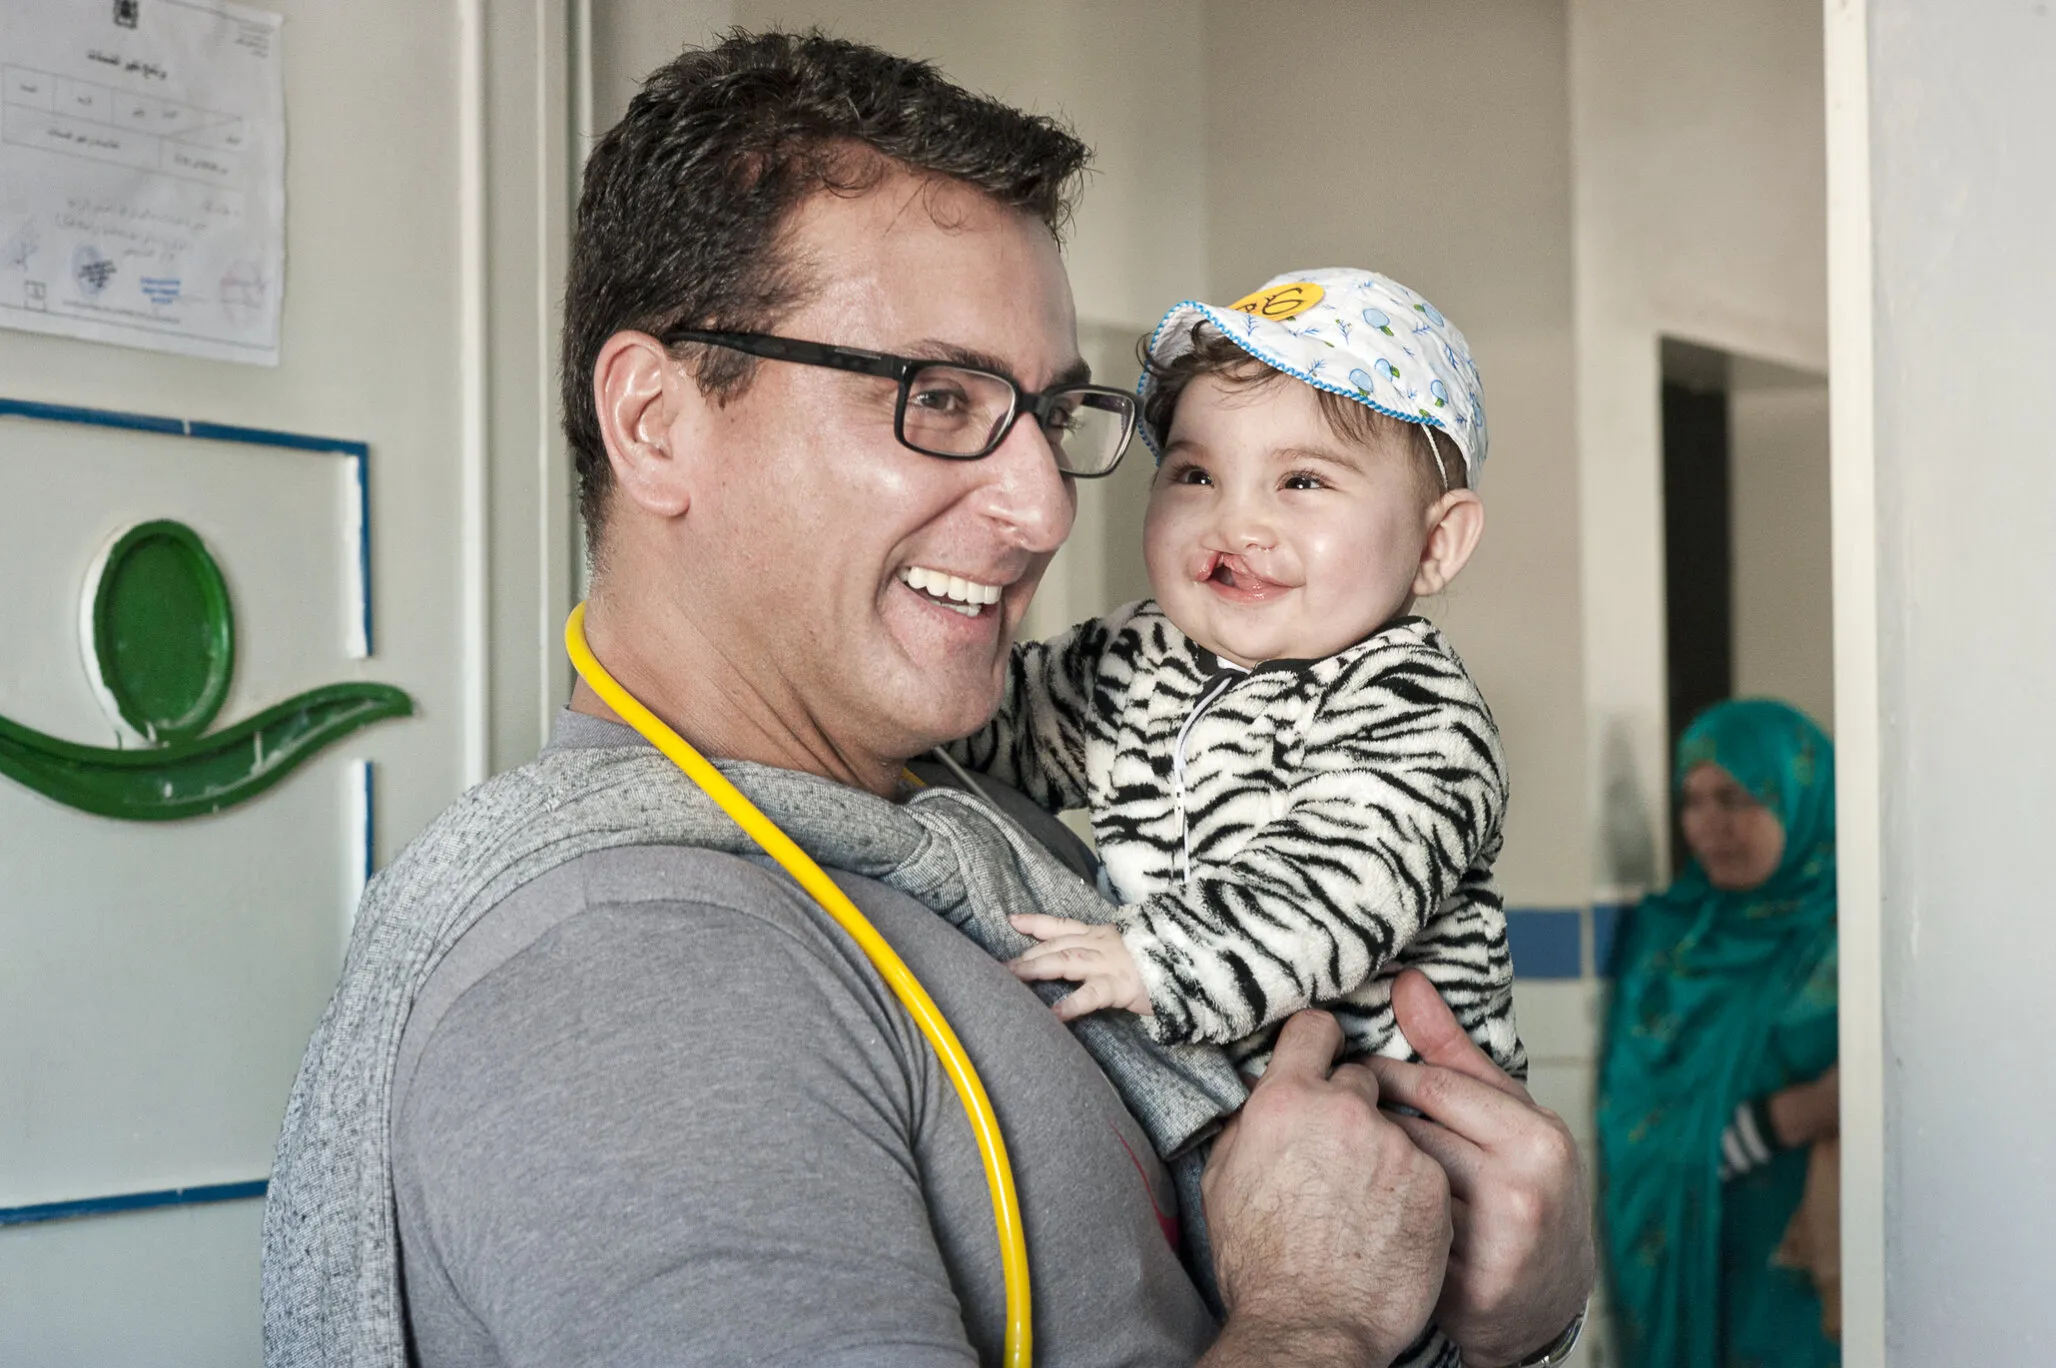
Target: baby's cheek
(1164, 542)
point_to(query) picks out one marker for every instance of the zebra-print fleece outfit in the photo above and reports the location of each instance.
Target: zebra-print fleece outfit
(1283, 837)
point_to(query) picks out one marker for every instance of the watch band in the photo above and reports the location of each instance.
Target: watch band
(1558, 1349)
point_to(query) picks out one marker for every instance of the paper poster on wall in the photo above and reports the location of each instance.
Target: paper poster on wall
(142, 174)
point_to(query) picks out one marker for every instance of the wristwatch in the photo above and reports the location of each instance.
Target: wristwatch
(1558, 1349)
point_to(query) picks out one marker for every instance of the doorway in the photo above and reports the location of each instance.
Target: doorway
(1748, 593)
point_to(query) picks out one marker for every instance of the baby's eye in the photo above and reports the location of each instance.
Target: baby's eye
(1302, 480)
(1191, 475)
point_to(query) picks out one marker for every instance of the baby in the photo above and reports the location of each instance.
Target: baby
(1295, 787)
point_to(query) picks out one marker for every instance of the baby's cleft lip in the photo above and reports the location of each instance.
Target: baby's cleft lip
(1230, 577)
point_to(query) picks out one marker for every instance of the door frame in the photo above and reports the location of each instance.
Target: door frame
(1857, 756)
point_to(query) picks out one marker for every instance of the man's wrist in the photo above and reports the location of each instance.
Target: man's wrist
(1250, 1339)
(1557, 1350)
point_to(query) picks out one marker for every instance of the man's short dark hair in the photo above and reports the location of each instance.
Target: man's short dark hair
(1437, 466)
(681, 218)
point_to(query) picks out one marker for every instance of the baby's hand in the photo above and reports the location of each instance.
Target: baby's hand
(1093, 957)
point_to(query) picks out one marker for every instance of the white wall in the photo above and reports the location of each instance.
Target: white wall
(1784, 591)
(1942, 331)
(1454, 177)
(1452, 173)
(158, 981)
(627, 39)
(1699, 212)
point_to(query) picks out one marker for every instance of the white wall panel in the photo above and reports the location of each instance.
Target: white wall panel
(155, 977)
(1962, 125)
(1784, 591)
(158, 981)
(167, 1289)
(1699, 208)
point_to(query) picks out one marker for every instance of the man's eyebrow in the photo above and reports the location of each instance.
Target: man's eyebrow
(1076, 373)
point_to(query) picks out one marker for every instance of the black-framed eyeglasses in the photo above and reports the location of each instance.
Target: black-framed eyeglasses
(958, 412)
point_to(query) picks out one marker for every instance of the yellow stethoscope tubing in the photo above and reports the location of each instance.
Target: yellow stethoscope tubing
(992, 1146)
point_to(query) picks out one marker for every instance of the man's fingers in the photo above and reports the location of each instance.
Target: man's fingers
(1305, 1049)
(1432, 1029)
(1463, 1161)
(1303, 1056)
(1481, 1112)
(1358, 1080)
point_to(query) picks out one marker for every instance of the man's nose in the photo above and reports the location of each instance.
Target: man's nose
(1024, 491)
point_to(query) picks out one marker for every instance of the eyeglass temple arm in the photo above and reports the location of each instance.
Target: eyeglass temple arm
(794, 349)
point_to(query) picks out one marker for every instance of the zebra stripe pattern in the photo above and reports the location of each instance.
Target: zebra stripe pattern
(1277, 838)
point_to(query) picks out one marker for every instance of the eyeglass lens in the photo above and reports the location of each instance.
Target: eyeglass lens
(956, 412)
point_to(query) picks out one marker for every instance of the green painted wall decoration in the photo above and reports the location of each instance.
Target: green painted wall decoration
(162, 644)
(163, 635)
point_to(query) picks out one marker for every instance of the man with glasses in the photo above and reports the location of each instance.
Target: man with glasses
(823, 389)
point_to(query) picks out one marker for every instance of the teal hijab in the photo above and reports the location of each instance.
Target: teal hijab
(1720, 997)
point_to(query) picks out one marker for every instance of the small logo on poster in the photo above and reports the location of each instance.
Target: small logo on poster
(91, 269)
(126, 12)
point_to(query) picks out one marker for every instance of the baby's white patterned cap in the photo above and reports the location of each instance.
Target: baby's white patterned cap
(1354, 333)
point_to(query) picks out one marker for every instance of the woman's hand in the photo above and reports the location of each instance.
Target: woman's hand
(1806, 1112)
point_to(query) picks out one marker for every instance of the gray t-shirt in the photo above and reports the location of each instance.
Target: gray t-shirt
(656, 1108)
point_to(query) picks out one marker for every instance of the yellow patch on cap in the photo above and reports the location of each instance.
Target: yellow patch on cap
(1277, 302)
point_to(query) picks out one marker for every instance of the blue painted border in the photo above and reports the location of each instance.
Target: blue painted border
(132, 1201)
(370, 824)
(1606, 923)
(358, 452)
(1546, 942)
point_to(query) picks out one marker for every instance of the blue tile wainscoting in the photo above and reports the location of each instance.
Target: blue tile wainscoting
(1549, 942)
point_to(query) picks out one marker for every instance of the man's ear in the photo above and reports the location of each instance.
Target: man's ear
(1455, 522)
(642, 395)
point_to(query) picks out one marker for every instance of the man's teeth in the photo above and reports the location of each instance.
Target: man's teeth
(951, 591)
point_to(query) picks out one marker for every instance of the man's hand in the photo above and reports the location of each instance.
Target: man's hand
(1521, 1265)
(1093, 957)
(1330, 1229)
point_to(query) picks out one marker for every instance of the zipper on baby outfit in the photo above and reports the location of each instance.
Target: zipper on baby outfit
(1217, 686)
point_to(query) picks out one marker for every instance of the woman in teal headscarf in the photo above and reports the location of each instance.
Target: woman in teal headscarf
(1720, 1054)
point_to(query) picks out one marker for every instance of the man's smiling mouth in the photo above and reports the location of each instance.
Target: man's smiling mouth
(954, 592)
